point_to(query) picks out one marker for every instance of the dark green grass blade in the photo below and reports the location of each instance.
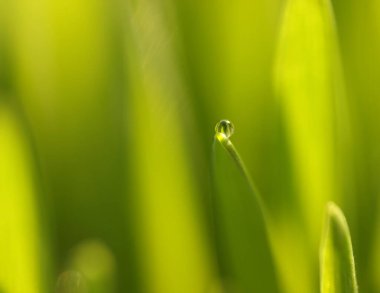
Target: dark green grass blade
(243, 248)
(336, 255)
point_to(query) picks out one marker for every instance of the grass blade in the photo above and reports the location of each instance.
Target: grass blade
(310, 88)
(174, 252)
(310, 91)
(23, 250)
(336, 256)
(244, 252)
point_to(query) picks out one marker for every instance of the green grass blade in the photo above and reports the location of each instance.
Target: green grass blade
(336, 255)
(23, 246)
(376, 259)
(244, 252)
(310, 89)
(171, 238)
(83, 136)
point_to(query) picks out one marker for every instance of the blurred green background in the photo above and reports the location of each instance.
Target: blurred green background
(107, 114)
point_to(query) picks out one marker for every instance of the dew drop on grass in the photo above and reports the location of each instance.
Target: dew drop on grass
(225, 127)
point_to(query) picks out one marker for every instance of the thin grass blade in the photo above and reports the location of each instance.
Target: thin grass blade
(23, 249)
(244, 252)
(337, 263)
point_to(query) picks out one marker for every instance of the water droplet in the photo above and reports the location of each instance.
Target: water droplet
(225, 127)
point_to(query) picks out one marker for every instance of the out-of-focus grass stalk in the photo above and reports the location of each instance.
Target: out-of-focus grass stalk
(228, 51)
(173, 247)
(337, 265)
(3, 45)
(243, 39)
(375, 273)
(68, 77)
(362, 44)
(375, 257)
(360, 47)
(22, 247)
(309, 86)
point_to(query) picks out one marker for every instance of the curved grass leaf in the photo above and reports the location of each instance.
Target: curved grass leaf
(22, 246)
(336, 256)
(244, 253)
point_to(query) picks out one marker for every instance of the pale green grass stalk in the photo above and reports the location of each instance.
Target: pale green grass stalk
(171, 238)
(337, 265)
(309, 86)
(22, 245)
(244, 252)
